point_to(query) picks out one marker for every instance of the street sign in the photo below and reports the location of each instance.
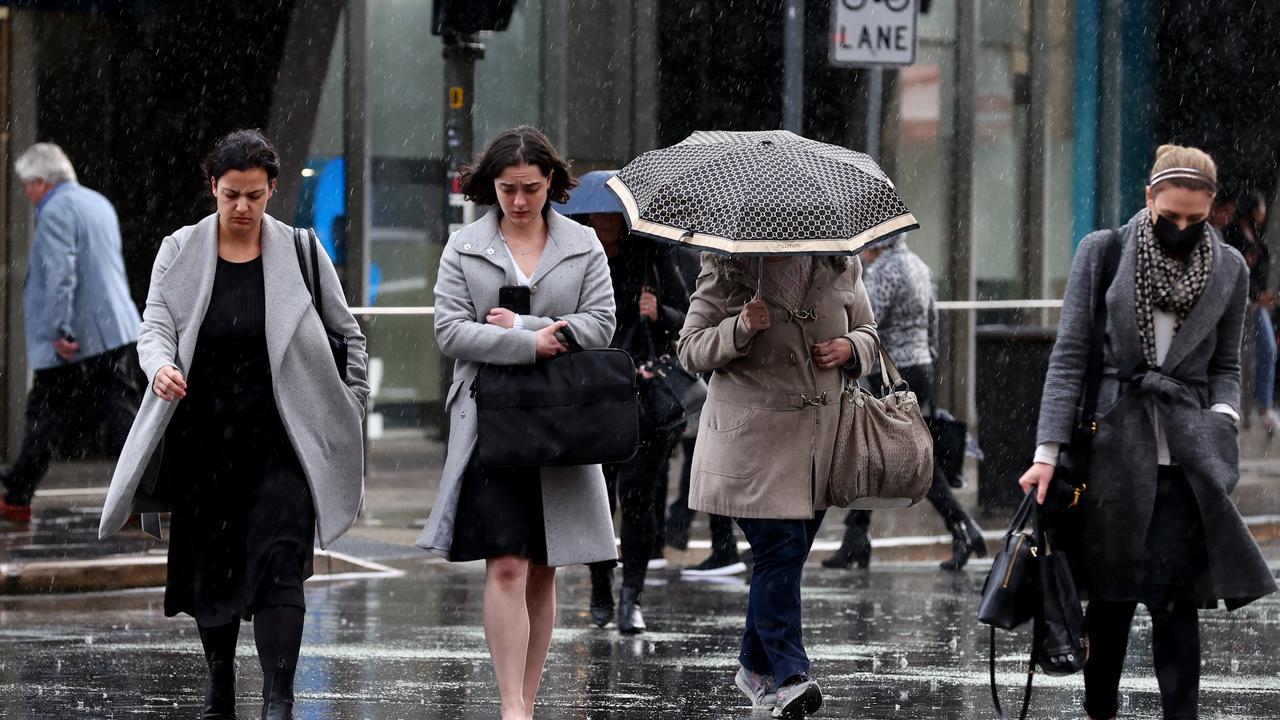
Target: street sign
(873, 32)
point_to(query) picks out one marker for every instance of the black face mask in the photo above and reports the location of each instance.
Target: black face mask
(1174, 241)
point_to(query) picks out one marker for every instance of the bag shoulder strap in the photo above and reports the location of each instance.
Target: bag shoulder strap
(1031, 676)
(1098, 336)
(311, 279)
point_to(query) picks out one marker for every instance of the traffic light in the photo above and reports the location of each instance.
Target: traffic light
(468, 17)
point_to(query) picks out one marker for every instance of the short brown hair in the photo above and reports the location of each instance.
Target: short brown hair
(1169, 157)
(522, 145)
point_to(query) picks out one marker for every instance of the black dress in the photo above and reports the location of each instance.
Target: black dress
(243, 521)
(499, 513)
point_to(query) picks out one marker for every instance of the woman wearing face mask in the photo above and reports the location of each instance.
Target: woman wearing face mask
(1159, 524)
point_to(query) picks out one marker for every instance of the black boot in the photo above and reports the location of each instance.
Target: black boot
(630, 621)
(220, 700)
(855, 548)
(966, 540)
(277, 693)
(601, 596)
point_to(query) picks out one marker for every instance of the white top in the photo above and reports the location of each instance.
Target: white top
(1165, 323)
(521, 278)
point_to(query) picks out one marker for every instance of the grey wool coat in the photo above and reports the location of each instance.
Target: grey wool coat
(1202, 368)
(763, 451)
(571, 283)
(321, 414)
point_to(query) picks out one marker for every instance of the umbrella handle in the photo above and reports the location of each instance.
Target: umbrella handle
(760, 279)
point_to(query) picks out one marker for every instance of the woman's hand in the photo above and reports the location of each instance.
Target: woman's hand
(755, 315)
(1038, 476)
(501, 317)
(548, 344)
(832, 353)
(170, 384)
(649, 305)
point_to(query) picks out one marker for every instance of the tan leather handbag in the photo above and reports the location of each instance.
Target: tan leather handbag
(884, 453)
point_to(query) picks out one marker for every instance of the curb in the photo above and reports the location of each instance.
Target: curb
(127, 572)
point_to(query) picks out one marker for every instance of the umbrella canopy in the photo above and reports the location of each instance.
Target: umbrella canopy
(591, 196)
(761, 193)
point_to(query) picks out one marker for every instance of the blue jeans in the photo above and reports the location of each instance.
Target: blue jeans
(1264, 359)
(773, 643)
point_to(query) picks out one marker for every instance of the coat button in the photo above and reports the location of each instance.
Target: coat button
(466, 246)
(488, 251)
(533, 290)
(791, 359)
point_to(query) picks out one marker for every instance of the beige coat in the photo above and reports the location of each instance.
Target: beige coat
(764, 447)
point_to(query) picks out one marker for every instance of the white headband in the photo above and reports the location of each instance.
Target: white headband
(1183, 173)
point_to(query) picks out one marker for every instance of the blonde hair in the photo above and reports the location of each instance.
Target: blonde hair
(1185, 167)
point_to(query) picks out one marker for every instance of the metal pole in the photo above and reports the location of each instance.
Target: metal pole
(960, 368)
(1110, 113)
(1036, 164)
(460, 55)
(793, 67)
(356, 148)
(875, 110)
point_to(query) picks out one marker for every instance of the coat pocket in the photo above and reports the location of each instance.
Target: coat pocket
(728, 442)
(1222, 446)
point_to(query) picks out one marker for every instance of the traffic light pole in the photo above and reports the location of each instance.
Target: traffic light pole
(460, 55)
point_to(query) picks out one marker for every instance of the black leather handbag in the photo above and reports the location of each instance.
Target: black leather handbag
(1009, 595)
(577, 408)
(1029, 580)
(337, 341)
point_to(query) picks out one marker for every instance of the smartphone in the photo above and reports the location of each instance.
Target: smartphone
(514, 298)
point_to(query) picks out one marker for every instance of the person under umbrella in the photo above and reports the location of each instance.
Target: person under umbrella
(780, 328)
(651, 301)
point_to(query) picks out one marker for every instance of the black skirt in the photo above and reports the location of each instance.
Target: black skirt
(499, 513)
(243, 528)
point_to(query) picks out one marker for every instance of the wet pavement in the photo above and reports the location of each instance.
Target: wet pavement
(896, 642)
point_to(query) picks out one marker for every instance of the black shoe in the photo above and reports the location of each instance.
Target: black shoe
(601, 598)
(277, 693)
(220, 700)
(630, 621)
(855, 549)
(966, 540)
(716, 567)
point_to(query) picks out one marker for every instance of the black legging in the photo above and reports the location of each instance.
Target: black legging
(641, 484)
(277, 631)
(1175, 561)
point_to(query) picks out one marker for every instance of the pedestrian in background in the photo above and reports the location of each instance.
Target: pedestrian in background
(1245, 233)
(81, 324)
(768, 432)
(523, 522)
(900, 287)
(724, 559)
(1160, 527)
(250, 434)
(651, 303)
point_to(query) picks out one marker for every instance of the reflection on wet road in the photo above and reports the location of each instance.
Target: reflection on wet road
(899, 642)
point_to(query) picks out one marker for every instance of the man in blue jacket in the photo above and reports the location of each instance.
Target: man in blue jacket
(81, 323)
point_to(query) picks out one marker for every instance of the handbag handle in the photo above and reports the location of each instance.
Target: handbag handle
(570, 340)
(1027, 509)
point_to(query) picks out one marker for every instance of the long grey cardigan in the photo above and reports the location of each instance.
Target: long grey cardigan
(1201, 368)
(321, 414)
(572, 283)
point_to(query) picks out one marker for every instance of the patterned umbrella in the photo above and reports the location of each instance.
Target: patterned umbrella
(761, 193)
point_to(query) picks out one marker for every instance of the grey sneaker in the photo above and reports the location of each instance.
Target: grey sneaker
(797, 700)
(758, 689)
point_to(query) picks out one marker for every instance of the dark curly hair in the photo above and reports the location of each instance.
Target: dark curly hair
(523, 145)
(242, 150)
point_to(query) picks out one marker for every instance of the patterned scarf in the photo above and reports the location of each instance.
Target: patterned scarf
(1167, 284)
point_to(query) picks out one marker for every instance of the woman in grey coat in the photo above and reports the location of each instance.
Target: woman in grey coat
(249, 434)
(523, 522)
(1159, 524)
